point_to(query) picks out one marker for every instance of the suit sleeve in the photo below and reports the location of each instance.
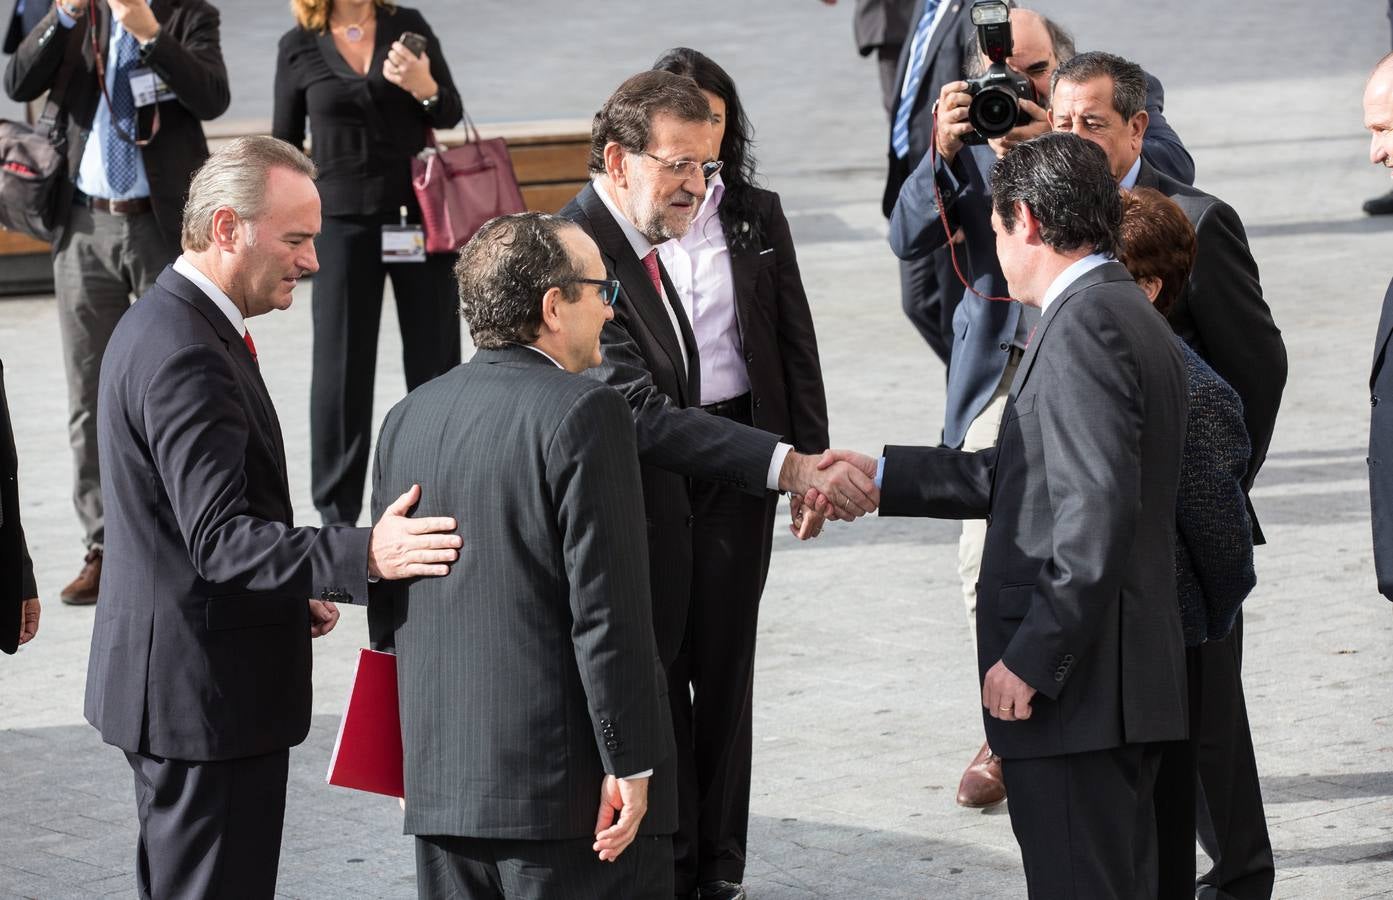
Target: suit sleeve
(288, 109)
(382, 610)
(1090, 420)
(1161, 146)
(197, 433)
(916, 229)
(593, 477)
(937, 482)
(689, 441)
(34, 67)
(806, 396)
(1240, 340)
(192, 65)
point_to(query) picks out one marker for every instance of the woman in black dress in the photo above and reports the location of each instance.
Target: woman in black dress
(370, 102)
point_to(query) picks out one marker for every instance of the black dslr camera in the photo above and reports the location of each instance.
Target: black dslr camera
(994, 110)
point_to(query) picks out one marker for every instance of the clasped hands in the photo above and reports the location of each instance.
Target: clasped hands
(837, 484)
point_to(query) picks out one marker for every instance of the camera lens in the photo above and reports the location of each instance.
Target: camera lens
(993, 112)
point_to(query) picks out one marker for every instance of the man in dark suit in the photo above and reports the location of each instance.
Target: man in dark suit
(19, 596)
(529, 678)
(200, 662)
(651, 151)
(1080, 647)
(133, 142)
(989, 335)
(1223, 316)
(1378, 118)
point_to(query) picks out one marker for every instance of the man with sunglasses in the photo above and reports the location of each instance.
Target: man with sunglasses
(652, 151)
(529, 681)
(134, 81)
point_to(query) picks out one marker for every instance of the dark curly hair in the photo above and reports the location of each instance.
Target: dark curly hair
(504, 271)
(737, 213)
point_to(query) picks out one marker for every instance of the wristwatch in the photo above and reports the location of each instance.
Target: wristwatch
(431, 102)
(146, 47)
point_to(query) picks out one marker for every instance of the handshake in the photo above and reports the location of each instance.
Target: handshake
(836, 484)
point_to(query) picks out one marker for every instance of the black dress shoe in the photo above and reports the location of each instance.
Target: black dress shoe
(1382, 205)
(721, 890)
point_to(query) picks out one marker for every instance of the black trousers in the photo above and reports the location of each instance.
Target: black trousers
(711, 681)
(347, 299)
(1177, 786)
(209, 829)
(462, 868)
(1230, 819)
(1086, 823)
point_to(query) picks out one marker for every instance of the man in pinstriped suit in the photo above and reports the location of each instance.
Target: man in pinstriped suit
(533, 703)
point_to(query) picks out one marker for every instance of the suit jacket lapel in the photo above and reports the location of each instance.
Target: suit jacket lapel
(1385, 330)
(1147, 176)
(636, 288)
(1111, 271)
(186, 290)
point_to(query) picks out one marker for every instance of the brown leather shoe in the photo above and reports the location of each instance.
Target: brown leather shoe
(982, 785)
(82, 591)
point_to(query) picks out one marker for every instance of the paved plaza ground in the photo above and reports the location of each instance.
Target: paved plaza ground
(866, 705)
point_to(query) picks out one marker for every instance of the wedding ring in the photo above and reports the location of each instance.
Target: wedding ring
(1005, 708)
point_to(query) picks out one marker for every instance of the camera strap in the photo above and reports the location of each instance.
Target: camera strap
(943, 215)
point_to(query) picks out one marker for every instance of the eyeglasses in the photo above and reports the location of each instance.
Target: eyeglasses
(686, 168)
(609, 288)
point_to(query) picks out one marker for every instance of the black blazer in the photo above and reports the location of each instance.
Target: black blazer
(776, 332)
(188, 56)
(201, 646)
(881, 23)
(1381, 448)
(16, 570)
(1223, 315)
(1077, 593)
(365, 130)
(530, 670)
(676, 439)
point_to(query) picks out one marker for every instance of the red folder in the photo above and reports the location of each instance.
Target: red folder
(367, 752)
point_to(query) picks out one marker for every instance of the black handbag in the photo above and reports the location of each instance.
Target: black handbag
(34, 164)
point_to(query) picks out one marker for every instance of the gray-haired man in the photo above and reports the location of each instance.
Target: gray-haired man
(200, 665)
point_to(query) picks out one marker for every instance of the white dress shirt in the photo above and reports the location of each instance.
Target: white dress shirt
(641, 246)
(1076, 271)
(220, 300)
(699, 265)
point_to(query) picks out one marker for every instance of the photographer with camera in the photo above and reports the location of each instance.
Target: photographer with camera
(133, 82)
(1020, 53)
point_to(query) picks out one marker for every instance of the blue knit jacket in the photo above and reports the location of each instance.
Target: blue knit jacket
(1214, 537)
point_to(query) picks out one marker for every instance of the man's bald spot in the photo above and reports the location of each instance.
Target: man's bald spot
(1382, 68)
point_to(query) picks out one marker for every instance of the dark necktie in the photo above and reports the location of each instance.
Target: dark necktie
(119, 153)
(914, 76)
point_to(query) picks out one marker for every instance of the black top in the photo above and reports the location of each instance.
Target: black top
(366, 129)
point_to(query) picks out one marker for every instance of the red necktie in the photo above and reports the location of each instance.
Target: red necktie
(650, 262)
(251, 345)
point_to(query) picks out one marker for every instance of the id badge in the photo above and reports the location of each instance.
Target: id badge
(147, 88)
(403, 244)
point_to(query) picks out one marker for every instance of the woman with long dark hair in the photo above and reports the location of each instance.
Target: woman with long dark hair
(737, 276)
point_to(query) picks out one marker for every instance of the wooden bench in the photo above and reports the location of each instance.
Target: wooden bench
(549, 158)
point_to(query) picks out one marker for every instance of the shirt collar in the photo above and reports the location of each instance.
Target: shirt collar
(641, 244)
(220, 300)
(715, 190)
(1129, 180)
(1076, 271)
(536, 349)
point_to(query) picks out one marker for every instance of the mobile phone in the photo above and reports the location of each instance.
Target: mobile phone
(414, 42)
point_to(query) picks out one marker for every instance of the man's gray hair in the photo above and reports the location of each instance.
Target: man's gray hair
(234, 177)
(1128, 79)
